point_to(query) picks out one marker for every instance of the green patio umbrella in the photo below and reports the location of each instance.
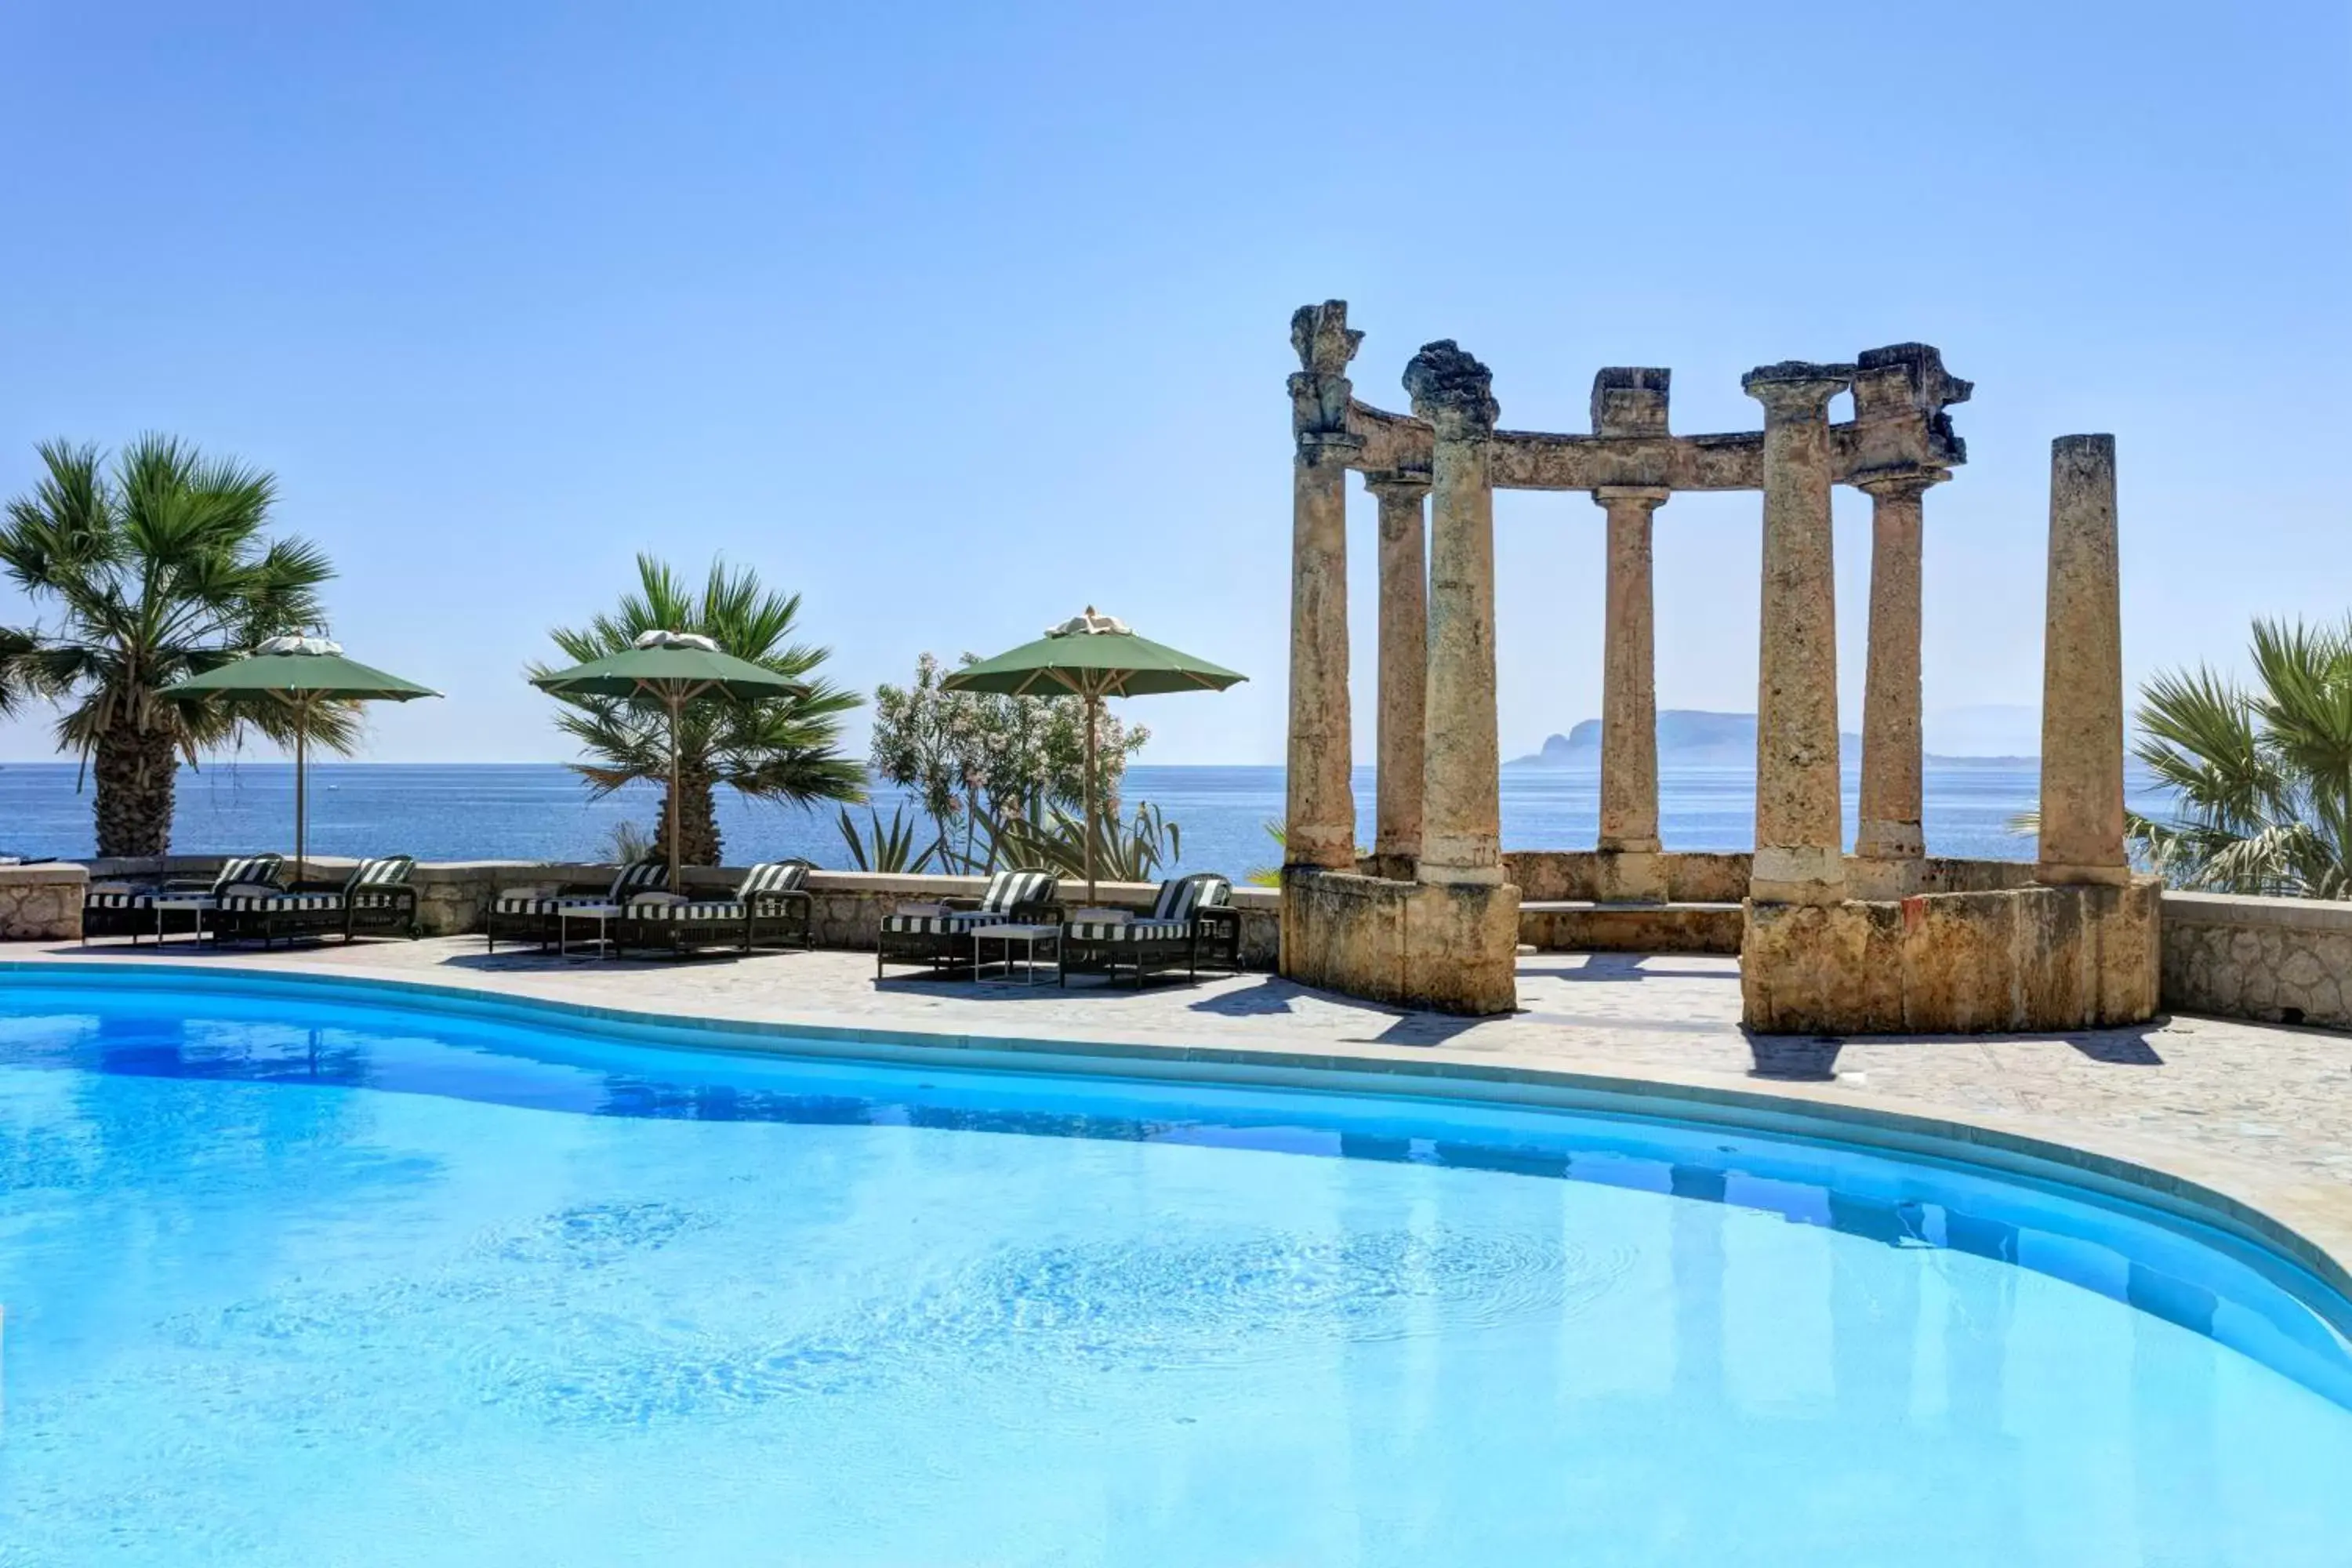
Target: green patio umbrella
(301, 672)
(671, 669)
(1091, 656)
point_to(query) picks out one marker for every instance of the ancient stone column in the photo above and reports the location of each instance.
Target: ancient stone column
(2083, 672)
(1462, 829)
(1798, 829)
(1321, 818)
(1630, 871)
(1888, 844)
(1405, 664)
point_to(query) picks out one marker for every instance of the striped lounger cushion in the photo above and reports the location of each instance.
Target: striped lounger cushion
(770, 877)
(367, 887)
(1186, 896)
(1007, 892)
(686, 910)
(637, 877)
(1130, 931)
(254, 868)
(258, 871)
(762, 885)
(252, 901)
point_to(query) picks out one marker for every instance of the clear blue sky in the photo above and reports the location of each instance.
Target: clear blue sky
(958, 318)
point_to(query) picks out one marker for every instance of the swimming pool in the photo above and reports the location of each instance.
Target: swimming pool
(292, 1275)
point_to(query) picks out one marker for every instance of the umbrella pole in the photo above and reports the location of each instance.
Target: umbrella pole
(301, 768)
(1093, 705)
(676, 703)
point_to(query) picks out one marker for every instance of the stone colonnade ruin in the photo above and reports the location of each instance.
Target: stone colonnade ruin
(1886, 939)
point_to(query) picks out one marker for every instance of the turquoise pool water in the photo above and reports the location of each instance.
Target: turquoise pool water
(296, 1281)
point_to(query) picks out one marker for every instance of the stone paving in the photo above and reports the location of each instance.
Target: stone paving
(2262, 1111)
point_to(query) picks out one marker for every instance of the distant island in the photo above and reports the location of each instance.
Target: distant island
(1690, 738)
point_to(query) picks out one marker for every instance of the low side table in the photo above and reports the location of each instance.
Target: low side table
(602, 914)
(1030, 938)
(197, 905)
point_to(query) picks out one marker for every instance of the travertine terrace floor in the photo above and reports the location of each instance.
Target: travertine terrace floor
(2263, 1113)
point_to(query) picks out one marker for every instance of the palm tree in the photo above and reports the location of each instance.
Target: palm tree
(2262, 778)
(161, 566)
(781, 750)
(13, 646)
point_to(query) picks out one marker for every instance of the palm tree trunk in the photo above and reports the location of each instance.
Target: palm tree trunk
(133, 772)
(699, 842)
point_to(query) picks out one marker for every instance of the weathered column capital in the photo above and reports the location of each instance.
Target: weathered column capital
(1319, 389)
(1796, 389)
(1399, 486)
(1904, 482)
(1451, 391)
(1648, 497)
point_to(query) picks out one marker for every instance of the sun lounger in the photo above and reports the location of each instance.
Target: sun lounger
(771, 905)
(159, 909)
(1192, 925)
(529, 914)
(940, 935)
(375, 897)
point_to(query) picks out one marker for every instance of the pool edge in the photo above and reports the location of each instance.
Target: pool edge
(2277, 1220)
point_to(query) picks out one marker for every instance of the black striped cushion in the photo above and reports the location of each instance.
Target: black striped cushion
(773, 876)
(693, 909)
(1008, 890)
(118, 899)
(935, 925)
(1131, 930)
(277, 903)
(1182, 896)
(376, 898)
(529, 903)
(384, 871)
(638, 876)
(248, 868)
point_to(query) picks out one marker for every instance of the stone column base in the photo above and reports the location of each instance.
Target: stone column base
(1450, 947)
(2017, 958)
(1810, 874)
(1629, 877)
(1883, 878)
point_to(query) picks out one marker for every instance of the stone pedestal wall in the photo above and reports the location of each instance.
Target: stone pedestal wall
(2075, 957)
(1547, 876)
(2280, 961)
(1452, 947)
(41, 903)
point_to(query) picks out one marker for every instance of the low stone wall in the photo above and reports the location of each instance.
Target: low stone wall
(2011, 959)
(1550, 876)
(1451, 948)
(2279, 961)
(1631, 928)
(42, 903)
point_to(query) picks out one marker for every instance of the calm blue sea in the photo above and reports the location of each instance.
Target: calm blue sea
(541, 811)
